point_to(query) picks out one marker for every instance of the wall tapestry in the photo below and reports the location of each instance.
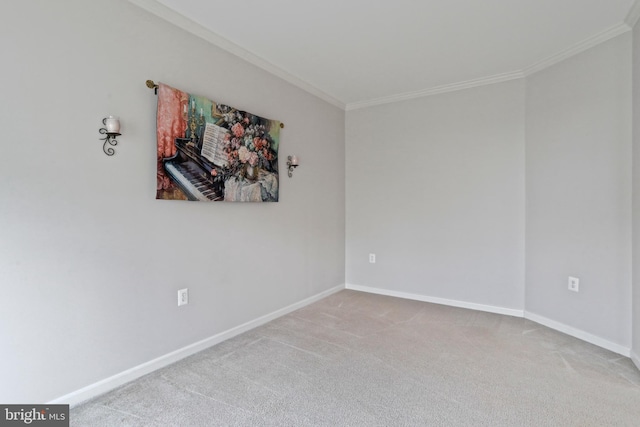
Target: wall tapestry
(214, 152)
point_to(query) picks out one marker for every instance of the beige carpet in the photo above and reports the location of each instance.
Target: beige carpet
(355, 359)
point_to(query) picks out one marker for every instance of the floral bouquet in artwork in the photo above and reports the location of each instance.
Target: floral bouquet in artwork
(248, 144)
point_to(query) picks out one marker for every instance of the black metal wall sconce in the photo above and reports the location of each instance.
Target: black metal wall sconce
(111, 130)
(292, 163)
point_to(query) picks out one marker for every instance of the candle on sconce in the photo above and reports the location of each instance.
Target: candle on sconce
(112, 124)
(201, 112)
(292, 163)
(193, 105)
(184, 110)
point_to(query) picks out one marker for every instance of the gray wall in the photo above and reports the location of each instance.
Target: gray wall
(636, 194)
(578, 169)
(89, 262)
(435, 188)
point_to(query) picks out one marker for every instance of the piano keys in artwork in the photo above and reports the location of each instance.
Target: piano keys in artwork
(192, 173)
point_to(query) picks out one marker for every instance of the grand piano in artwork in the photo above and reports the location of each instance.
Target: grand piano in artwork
(192, 172)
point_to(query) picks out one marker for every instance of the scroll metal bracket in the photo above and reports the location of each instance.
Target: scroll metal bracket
(109, 139)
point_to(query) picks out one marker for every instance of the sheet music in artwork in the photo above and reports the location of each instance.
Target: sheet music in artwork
(213, 141)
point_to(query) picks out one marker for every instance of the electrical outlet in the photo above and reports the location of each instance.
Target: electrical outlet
(574, 284)
(372, 258)
(183, 297)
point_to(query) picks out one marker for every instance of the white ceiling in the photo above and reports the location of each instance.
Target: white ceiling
(362, 52)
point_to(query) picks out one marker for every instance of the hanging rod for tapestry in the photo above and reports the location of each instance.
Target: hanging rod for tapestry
(152, 85)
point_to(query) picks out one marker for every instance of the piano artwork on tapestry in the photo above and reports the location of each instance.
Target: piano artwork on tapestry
(196, 167)
(213, 152)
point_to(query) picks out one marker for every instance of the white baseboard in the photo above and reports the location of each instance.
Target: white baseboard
(577, 333)
(443, 301)
(636, 359)
(124, 377)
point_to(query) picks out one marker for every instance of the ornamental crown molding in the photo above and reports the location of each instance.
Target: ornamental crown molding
(498, 78)
(577, 48)
(198, 30)
(633, 15)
